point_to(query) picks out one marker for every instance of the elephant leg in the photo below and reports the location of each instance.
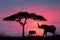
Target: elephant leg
(46, 34)
(53, 33)
(43, 34)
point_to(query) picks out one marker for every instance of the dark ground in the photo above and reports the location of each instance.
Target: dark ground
(31, 38)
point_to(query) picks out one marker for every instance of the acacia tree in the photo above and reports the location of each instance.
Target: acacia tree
(24, 15)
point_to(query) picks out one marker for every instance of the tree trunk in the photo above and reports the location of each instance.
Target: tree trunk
(22, 24)
(22, 30)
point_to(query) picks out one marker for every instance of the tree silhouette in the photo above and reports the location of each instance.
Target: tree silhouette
(24, 15)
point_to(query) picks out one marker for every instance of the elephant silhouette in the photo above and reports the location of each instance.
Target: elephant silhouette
(47, 28)
(32, 32)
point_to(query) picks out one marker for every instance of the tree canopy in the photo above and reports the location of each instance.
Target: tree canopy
(25, 15)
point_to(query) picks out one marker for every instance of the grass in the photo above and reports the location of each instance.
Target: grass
(30, 38)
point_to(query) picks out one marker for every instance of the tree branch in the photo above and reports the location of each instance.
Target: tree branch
(25, 21)
(38, 24)
(19, 20)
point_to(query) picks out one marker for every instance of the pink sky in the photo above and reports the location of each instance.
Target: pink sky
(49, 12)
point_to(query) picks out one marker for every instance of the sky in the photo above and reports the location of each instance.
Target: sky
(50, 9)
